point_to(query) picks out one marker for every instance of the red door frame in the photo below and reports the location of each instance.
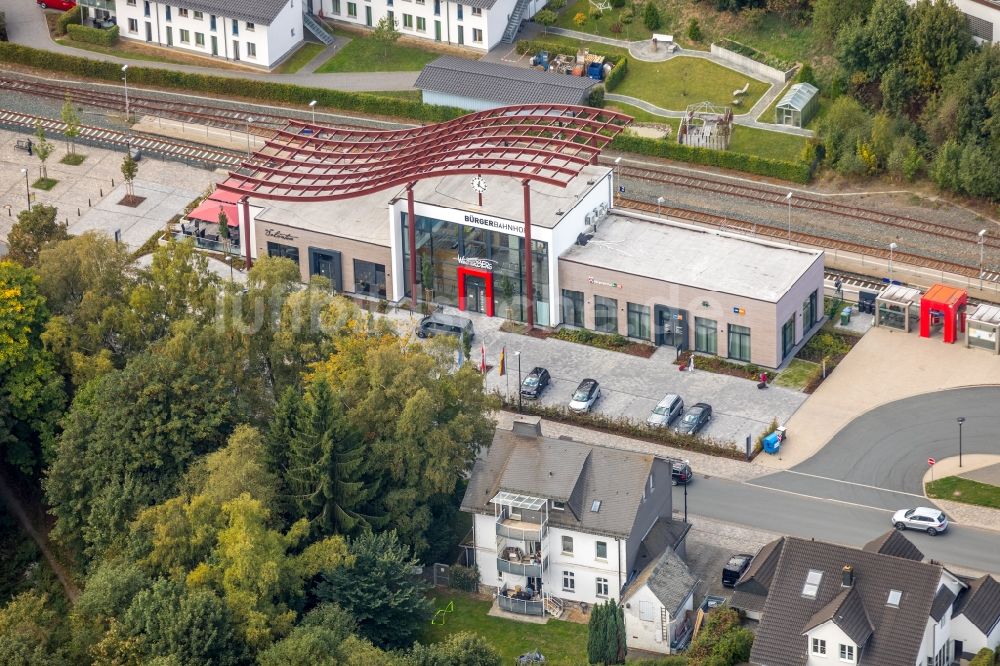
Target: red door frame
(464, 271)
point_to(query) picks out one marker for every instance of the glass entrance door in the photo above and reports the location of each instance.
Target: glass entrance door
(475, 294)
(671, 327)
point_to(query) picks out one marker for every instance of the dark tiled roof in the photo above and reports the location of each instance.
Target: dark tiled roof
(502, 84)
(846, 611)
(750, 593)
(254, 11)
(668, 579)
(552, 471)
(614, 477)
(664, 534)
(980, 603)
(942, 602)
(894, 543)
(897, 632)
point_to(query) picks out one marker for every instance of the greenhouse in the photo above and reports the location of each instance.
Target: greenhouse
(798, 105)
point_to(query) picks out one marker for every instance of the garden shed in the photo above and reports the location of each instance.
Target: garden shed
(798, 106)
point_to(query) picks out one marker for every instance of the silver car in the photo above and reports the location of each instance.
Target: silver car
(666, 411)
(926, 519)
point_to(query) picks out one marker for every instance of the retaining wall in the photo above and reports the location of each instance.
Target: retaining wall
(752, 65)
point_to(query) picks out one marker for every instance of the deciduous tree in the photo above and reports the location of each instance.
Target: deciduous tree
(386, 34)
(33, 230)
(43, 149)
(72, 120)
(130, 169)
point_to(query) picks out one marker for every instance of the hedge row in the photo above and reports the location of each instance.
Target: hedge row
(84, 33)
(67, 18)
(797, 172)
(616, 75)
(224, 86)
(555, 45)
(754, 54)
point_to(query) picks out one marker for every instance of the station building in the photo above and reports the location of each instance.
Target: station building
(509, 203)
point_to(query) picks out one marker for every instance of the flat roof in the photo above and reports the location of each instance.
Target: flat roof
(364, 218)
(942, 293)
(897, 293)
(694, 256)
(986, 313)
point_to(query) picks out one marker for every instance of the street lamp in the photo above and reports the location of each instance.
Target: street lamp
(249, 120)
(618, 160)
(518, 355)
(312, 107)
(788, 198)
(659, 202)
(892, 248)
(27, 188)
(961, 420)
(125, 79)
(982, 241)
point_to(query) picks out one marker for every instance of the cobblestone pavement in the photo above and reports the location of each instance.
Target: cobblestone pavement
(710, 543)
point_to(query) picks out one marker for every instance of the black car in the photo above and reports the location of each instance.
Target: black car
(535, 383)
(694, 419)
(734, 568)
(681, 474)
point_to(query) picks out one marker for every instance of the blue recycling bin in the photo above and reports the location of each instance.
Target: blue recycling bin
(772, 443)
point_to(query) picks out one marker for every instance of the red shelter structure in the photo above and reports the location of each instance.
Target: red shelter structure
(943, 305)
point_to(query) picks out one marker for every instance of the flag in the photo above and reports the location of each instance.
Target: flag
(503, 362)
(482, 366)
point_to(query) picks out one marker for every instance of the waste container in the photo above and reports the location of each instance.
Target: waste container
(845, 316)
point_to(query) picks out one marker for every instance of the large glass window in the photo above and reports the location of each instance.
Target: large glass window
(788, 336)
(809, 312)
(572, 308)
(739, 342)
(605, 314)
(638, 321)
(369, 278)
(286, 251)
(706, 338)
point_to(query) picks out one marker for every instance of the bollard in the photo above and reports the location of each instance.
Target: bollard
(78, 211)
(101, 190)
(112, 182)
(89, 205)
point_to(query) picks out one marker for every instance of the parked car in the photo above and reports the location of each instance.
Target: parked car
(666, 411)
(923, 518)
(694, 419)
(535, 383)
(681, 473)
(734, 568)
(444, 324)
(586, 394)
(61, 5)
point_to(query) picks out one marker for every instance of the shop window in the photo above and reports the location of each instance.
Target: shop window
(605, 314)
(638, 321)
(739, 342)
(286, 251)
(788, 336)
(369, 278)
(572, 307)
(706, 338)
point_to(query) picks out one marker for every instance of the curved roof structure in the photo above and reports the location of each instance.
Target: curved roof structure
(547, 143)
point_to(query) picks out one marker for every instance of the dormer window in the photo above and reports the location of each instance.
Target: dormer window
(811, 586)
(895, 596)
(558, 506)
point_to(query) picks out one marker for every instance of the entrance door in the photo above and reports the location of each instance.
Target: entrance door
(328, 264)
(170, 36)
(149, 31)
(236, 50)
(671, 326)
(475, 290)
(475, 294)
(368, 16)
(461, 34)
(437, 31)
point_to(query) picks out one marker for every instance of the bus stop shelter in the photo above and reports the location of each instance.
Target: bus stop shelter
(896, 307)
(943, 305)
(982, 328)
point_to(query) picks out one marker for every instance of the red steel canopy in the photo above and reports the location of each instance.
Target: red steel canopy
(548, 143)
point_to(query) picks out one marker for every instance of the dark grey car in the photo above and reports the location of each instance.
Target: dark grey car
(694, 419)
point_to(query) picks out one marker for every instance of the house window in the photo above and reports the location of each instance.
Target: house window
(788, 336)
(650, 483)
(602, 587)
(605, 314)
(739, 342)
(251, 50)
(352, 9)
(476, 11)
(477, 35)
(847, 653)
(408, 21)
(183, 13)
(638, 321)
(809, 312)
(391, 17)
(421, 24)
(198, 16)
(818, 646)
(199, 39)
(980, 28)
(811, 586)
(567, 545)
(569, 582)
(336, 6)
(250, 26)
(601, 550)
(167, 10)
(130, 3)
(460, 12)
(133, 25)
(286, 251)
(235, 26)
(706, 339)
(421, 2)
(646, 611)
(558, 506)
(185, 36)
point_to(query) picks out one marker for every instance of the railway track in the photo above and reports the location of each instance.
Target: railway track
(804, 202)
(118, 140)
(781, 233)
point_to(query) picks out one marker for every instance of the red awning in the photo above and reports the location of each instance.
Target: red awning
(225, 196)
(209, 209)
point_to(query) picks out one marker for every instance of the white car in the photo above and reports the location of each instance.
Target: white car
(586, 394)
(926, 519)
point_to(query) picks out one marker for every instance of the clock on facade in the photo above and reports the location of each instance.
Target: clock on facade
(479, 184)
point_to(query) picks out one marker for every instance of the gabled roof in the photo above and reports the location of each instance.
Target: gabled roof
(617, 478)
(503, 84)
(897, 631)
(254, 11)
(798, 96)
(847, 611)
(552, 472)
(980, 603)
(942, 602)
(668, 578)
(894, 543)
(750, 593)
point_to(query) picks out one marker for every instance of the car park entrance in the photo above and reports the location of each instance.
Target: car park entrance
(671, 327)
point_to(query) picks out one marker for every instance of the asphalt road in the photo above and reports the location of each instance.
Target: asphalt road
(848, 524)
(880, 458)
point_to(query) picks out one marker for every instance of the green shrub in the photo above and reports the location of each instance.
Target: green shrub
(984, 657)
(824, 344)
(651, 16)
(556, 5)
(694, 30)
(88, 35)
(612, 341)
(617, 4)
(754, 54)
(464, 578)
(616, 75)
(596, 97)
(770, 428)
(731, 648)
(806, 75)
(67, 18)
(796, 172)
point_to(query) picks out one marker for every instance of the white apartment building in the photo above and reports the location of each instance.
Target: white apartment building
(254, 32)
(479, 24)
(560, 522)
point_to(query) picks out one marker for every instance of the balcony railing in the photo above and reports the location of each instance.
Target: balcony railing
(106, 5)
(521, 533)
(521, 606)
(533, 569)
(232, 247)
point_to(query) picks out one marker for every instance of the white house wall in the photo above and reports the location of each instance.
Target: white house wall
(584, 565)
(648, 634)
(834, 637)
(973, 640)
(283, 35)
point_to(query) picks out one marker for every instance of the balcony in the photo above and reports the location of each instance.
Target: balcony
(519, 530)
(105, 5)
(513, 560)
(519, 602)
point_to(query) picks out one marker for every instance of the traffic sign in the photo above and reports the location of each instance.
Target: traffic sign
(931, 461)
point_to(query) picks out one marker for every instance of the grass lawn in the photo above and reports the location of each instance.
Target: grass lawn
(643, 116)
(562, 643)
(127, 48)
(298, 60)
(44, 183)
(957, 489)
(765, 143)
(676, 83)
(73, 159)
(797, 375)
(602, 26)
(777, 36)
(364, 54)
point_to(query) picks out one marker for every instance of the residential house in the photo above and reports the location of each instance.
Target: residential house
(880, 605)
(560, 522)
